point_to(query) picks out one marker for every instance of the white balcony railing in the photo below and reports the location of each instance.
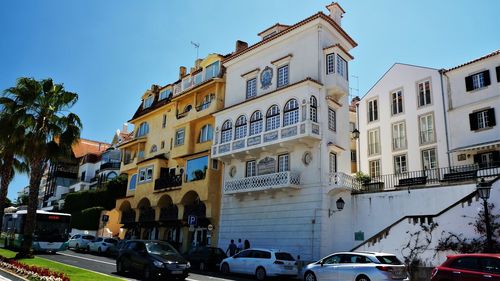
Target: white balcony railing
(342, 180)
(305, 129)
(263, 182)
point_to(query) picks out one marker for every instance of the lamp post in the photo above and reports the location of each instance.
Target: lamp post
(484, 189)
(340, 206)
(355, 135)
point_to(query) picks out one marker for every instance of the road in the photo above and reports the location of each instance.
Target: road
(107, 265)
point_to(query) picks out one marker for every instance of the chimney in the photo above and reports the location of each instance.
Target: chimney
(182, 71)
(355, 100)
(154, 88)
(336, 12)
(197, 64)
(125, 128)
(241, 45)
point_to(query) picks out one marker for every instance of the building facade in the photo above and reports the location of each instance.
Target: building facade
(284, 137)
(173, 189)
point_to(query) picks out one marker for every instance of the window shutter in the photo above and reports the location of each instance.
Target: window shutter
(473, 121)
(491, 117)
(468, 83)
(487, 80)
(498, 73)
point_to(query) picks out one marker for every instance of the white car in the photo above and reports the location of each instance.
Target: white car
(260, 262)
(80, 241)
(356, 266)
(101, 245)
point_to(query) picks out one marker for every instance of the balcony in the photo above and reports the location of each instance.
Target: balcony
(171, 182)
(110, 165)
(274, 181)
(454, 175)
(300, 132)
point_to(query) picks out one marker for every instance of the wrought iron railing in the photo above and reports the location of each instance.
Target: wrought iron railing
(168, 182)
(428, 177)
(263, 182)
(203, 106)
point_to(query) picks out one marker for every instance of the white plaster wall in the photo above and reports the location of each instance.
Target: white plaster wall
(455, 220)
(462, 103)
(406, 77)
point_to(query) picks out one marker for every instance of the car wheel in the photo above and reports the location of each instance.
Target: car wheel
(119, 267)
(202, 266)
(260, 274)
(309, 276)
(77, 246)
(225, 268)
(147, 273)
(362, 278)
(99, 251)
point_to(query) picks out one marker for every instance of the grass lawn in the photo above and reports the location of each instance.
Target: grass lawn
(74, 273)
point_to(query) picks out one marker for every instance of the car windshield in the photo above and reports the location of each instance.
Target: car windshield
(284, 256)
(159, 248)
(388, 260)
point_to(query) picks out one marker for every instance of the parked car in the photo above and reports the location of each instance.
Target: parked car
(466, 267)
(152, 259)
(80, 241)
(262, 263)
(101, 245)
(114, 250)
(356, 266)
(206, 258)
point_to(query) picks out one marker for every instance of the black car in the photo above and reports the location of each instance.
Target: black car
(152, 259)
(206, 258)
(114, 250)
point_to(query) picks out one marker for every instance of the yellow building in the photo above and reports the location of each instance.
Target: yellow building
(173, 190)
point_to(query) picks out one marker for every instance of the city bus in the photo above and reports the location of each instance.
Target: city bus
(51, 230)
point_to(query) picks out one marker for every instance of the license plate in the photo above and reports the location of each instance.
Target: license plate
(177, 272)
(289, 267)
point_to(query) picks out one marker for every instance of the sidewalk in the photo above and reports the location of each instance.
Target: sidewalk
(5, 276)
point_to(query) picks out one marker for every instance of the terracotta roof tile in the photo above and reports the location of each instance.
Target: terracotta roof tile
(84, 147)
(475, 60)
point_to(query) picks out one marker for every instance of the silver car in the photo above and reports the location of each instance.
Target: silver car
(356, 266)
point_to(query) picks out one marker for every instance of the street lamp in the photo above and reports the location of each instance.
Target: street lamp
(355, 134)
(340, 206)
(483, 190)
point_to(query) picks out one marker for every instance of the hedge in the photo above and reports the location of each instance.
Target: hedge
(87, 219)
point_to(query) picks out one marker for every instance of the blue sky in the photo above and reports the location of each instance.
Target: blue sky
(110, 52)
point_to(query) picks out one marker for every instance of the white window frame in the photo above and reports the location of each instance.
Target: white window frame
(341, 66)
(482, 119)
(206, 133)
(332, 119)
(227, 131)
(374, 166)
(330, 63)
(427, 129)
(273, 118)
(400, 164)
(424, 90)
(284, 162)
(256, 124)
(372, 111)
(147, 102)
(427, 157)
(332, 163)
(313, 110)
(283, 76)
(374, 142)
(397, 102)
(291, 113)
(240, 127)
(251, 88)
(251, 168)
(180, 136)
(478, 81)
(399, 136)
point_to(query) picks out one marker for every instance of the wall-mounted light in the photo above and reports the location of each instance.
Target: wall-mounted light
(340, 206)
(355, 134)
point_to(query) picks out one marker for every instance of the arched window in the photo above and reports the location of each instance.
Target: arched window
(313, 113)
(153, 148)
(188, 108)
(226, 132)
(206, 133)
(143, 129)
(273, 118)
(291, 112)
(256, 123)
(240, 127)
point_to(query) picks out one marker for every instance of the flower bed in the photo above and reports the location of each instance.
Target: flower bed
(32, 273)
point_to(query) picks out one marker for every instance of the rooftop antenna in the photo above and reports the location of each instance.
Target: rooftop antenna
(197, 46)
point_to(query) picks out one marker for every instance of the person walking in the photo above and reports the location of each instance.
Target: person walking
(231, 249)
(246, 244)
(240, 245)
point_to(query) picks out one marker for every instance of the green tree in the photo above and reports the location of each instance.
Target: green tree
(22, 200)
(42, 107)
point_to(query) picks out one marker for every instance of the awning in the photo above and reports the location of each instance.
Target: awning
(479, 146)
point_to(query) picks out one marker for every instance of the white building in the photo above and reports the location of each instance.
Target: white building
(401, 122)
(473, 105)
(284, 138)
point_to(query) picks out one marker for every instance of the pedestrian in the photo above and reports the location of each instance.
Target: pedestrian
(246, 244)
(231, 248)
(240, 245)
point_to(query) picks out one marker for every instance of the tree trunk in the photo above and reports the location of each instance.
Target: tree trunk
(6, 175)
(36, 171)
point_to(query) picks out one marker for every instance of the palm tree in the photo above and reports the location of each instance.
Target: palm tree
(42, 107)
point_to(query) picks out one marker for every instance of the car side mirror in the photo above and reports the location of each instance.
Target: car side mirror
(322, 263)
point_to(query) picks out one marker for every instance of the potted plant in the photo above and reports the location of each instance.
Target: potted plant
(362, 177)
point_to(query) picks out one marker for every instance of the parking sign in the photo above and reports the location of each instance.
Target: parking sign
(192, 220)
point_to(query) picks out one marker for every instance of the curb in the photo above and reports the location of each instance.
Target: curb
(13, 274)
(100, 273)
